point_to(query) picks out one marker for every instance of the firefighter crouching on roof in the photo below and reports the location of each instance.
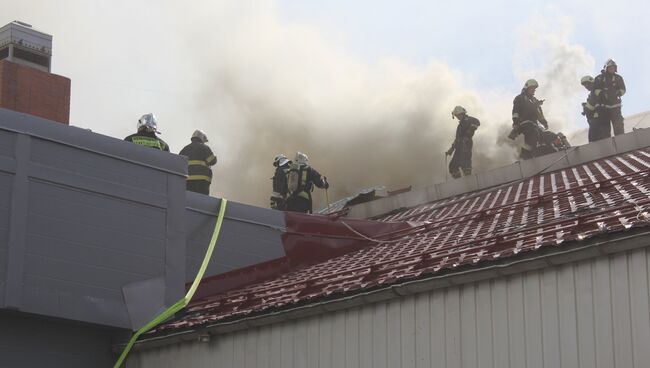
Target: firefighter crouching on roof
(591, 109)
(526, 114)
(280, 190)
(199, 159)
(461, 162)
(301, 179)
(609, 87)
(147, 130)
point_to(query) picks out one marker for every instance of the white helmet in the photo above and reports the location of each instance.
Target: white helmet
(149, 123)
(457, 111)
(609, 63)
(301, 158)
(280, 160)
(200, 135)
(531, 83)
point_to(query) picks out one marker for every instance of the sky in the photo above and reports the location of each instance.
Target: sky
(365, 87)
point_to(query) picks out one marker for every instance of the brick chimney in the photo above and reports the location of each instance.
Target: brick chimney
(26, 83)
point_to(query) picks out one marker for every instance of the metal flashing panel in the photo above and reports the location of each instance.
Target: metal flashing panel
(550, 210)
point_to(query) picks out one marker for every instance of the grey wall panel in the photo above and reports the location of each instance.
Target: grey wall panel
(589, 314)
(5, 208)
(102, 167)
(7, 143)
(249, 235)
(89, 215)
(82, 247)
(29, 341)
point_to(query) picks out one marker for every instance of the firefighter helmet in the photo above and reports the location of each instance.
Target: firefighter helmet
(148, 123)
(301, 158)
(609, 63)
(458, 110)
(200, 135)
(531, 83)
(586, 79)
(280, 160)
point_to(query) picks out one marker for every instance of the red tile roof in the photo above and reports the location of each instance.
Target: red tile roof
(608, 195)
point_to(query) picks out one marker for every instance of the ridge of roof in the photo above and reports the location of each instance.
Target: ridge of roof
(520, 170)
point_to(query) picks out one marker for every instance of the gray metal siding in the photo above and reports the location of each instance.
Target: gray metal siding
(33, 341)
(249, 235)
(83, 216)
(7, 168)
(593, 313)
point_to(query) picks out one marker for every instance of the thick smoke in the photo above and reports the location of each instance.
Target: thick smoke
(281, 88)
(260, 85)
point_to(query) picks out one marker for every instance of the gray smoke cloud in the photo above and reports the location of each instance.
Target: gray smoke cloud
(259, 85)
(282, 88)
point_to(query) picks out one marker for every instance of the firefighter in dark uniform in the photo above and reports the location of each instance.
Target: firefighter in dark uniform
(280, 190)
(591, 110)
(526, 115)
(461, 162)
(301, 179)
(147, 134)
(199, 159)
(609, 87)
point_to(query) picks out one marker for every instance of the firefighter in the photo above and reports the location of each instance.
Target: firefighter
(147, 133)
(609, 87)
(527, 115)
(461, 148)
(301, 179)
(280, 190)
(590, 109)
(199, 159)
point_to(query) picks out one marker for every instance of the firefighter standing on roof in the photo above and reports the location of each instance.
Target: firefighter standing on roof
(301, 179)
(591, 110)
(526, 115)
(609, 87)
(147, 133)
(199, 159)
(280, 190)
(461, 162)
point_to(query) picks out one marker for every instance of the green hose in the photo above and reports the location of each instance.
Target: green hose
(190, 293)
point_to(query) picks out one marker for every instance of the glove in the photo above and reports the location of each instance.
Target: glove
(326, 185)
(513, 134)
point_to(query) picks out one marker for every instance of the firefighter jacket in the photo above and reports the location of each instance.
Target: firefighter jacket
(199, 159)
(591, 106)
(148, 139)
(609, 87)
(465, 130)
(525, 107)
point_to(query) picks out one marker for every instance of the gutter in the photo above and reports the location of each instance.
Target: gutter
(598, 246)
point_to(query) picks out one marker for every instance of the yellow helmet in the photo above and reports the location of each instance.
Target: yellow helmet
(586, 79)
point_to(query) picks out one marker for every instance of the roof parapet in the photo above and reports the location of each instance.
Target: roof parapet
(638, 138)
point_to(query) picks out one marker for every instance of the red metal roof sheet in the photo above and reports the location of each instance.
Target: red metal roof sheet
(608, 195)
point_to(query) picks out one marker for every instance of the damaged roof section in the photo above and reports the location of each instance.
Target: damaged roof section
(547, 211)
(363, 196)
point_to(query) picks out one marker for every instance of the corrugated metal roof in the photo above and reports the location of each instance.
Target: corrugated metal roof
(608, 195)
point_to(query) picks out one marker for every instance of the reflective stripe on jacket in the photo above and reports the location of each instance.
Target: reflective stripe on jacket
(199, 159)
